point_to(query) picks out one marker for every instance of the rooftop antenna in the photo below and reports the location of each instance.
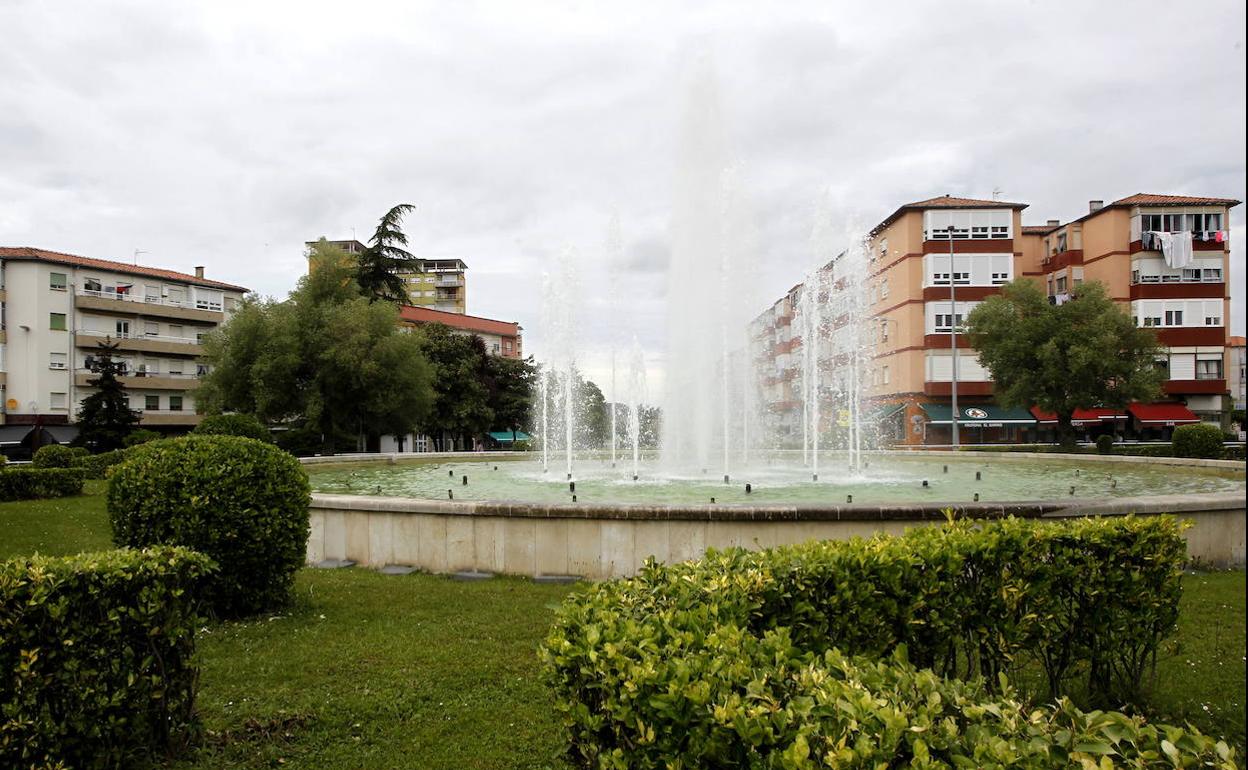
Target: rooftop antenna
(996, 193)
(137, 252)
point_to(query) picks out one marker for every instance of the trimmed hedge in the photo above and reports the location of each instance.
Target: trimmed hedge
(96, 466)
(1200, 440)
(1105, 444)
(54, 456)
(240, 501)
(96, 657)
(700, 664)
(141, 436)
(29, 483)
(244, 425)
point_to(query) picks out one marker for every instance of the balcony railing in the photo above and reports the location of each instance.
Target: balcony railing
(444, 280)
(132, 336)
(125, 296)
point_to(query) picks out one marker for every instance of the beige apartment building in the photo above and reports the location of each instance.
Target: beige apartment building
(58, 307)
(1162, 257)
(437, 284)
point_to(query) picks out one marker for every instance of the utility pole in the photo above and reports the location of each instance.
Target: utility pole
(953, 338)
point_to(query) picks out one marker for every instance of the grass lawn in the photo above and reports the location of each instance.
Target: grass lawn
(371, 671)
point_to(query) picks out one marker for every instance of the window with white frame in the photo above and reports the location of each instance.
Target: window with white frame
(1177, 312)
(1181, 222)
(58, 360)
(57, 281)
(58, 401)
(1208, 367)
(151, 329)
(972, 224)
(1174, 318)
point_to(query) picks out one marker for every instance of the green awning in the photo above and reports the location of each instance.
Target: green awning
(883, 412)
(984, 415)
(505, 436)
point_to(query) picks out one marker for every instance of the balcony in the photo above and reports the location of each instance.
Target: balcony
(169, 417)
(137, 304)
(448, 281)
(144, 380)
(1200, 386)
(141, 343)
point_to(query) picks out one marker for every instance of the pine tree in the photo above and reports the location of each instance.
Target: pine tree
(105, 417)
(384, 258)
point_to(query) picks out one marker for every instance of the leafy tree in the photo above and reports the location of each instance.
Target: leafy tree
(327, 360)
(380, 263)
(593, 418)
(1081, 354)
(463, 383)
(511, 397)
(105, 417)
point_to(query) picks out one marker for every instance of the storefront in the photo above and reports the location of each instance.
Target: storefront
(1156, 422)
(1087, 423)
(978, 424)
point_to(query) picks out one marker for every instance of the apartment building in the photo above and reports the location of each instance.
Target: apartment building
(438, 284)
(57, 308)
(1163, 257)
(1235, 372)
(775, 352)
(502, 338)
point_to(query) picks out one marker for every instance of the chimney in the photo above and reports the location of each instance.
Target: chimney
(1053, 222)
(199, 271)
(1095, 206)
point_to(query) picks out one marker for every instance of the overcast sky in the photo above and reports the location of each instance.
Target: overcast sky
(226, 134)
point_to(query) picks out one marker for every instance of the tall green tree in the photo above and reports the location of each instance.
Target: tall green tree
(463, 383)
(384, 258)
(513, 383)
(105, 417)
(1084, 353)
(327, 359)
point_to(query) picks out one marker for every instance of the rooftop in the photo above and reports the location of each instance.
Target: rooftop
(422, 315)
(945, 202)
(1150, 199)
(44, 255)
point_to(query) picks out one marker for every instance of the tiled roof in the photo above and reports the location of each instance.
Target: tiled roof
(1235, 342)
(1039, 229)
(420, 315)
(43, 255)
(945, 202)
(1148, 199)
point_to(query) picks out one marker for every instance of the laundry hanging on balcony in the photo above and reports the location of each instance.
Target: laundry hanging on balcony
(1175, 247)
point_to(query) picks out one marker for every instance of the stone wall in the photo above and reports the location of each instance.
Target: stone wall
(597, 542)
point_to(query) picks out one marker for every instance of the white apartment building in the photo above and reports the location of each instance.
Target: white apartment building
(56, 308)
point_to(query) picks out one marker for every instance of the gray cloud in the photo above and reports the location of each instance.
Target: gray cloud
(227, 134)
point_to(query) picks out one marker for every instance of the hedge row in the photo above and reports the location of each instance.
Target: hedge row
(96, 657)
(679, 667)
(96, 466)
(29, 483)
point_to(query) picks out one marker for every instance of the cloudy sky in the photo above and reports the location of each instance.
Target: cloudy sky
(227, 134)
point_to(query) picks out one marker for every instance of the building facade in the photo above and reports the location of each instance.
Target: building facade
(57, 309)
(502, 338)
(1235, 372)
(1163, 258)
(438, 284)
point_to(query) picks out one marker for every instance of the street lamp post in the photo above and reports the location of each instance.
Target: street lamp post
(953, 339)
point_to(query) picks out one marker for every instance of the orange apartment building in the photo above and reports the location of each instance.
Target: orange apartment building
(1136, 246)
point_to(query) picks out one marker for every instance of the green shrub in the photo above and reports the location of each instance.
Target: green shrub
(96, 466)
(96, 657)
(142, 436)
(1199, 439)
(4, 460)
(29, 483)
(1105, 444)
(240, 501)
(54, 456)
(244, 425)
(1088, 599)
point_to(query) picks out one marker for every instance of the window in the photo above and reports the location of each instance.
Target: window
(884, 375)
(1191, 274)
(151, 329)
(1213, 320)
(1135, 276)
(57, 281)
(884, 289)
(201, 370)
(175, 403)
(58, 400)
(1000, 278)
(151, 293)
(58, 361)
(884, 330)
(122, 328)
(1174, 318)
(1209, 369)
(151, 403)
(199, 337)
(1061, 284)
(1212, 275)
(1152, 320)
(944, 321)
(1061, 242)
(1163, 366)
(175, 366)
(56, 322)
(92, 285)
(175, 330)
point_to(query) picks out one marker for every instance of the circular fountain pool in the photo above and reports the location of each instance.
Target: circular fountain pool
(888, 478)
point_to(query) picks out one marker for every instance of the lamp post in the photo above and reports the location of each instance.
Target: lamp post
(953, 339)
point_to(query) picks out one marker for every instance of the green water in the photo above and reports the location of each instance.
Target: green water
(887, 479)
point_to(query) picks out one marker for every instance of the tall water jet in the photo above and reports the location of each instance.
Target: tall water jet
(615, 255)
(636, 394)
(543, 386)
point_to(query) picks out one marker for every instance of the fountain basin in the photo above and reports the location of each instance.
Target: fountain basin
(599, 540)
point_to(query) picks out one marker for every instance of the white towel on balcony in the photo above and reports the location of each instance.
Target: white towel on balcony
(1177, 249)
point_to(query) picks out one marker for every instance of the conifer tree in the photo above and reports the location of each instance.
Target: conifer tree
(105, 417)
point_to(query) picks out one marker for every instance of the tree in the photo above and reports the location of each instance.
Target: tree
(105, 417)
(462, 385)
(592, 416)
(327, 360)
(1083, 353)
(379, 264)
(511, 396)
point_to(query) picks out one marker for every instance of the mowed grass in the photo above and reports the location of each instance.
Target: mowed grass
(375, 671)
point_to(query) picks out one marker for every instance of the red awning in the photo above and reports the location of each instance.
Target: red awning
(1162, 414)
(1081, 416)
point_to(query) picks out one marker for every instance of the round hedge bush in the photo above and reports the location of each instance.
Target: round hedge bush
(234, 425)
(141, 436)
(240, 501)
(1105, 444)
(54, 456)
(1200, 440)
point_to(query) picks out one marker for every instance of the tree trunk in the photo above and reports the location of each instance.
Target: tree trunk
(1065, 431)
